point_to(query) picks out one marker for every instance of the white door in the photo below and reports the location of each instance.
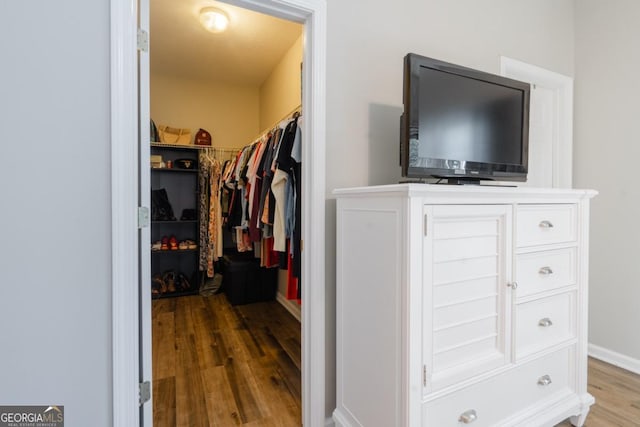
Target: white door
(313, 14)
(550, 123)
(466, 251)
(146, 411)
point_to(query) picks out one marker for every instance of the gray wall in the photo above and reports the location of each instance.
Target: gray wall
(606, 151)
(54, 115)
(366, 45)
(55, 300)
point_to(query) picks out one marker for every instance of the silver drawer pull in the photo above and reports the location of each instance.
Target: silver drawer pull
(544, 380)
(513, 285)
(468, 417)
(545, 271)
(546, 224)
(545, 323)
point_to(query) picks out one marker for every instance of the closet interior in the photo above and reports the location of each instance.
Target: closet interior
(226, 165)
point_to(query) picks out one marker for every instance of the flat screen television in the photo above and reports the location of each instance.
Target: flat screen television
(462, 124)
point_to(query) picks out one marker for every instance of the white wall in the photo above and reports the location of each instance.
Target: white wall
(280, 92)
(234, 114)
(367, 41)
(606, 149)
(229, 112)
(55, 220)
(365, 57)
(54, 109)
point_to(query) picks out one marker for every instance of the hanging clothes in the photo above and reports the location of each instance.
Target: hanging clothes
(257, 198)
(267, 199)
(210, 208)
(282, 186)
(231, 183)
(255, 190)
(203, 209)
(215, 217)
(296, 155)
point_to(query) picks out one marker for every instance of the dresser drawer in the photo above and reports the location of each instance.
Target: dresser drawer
(545, 224)
(546, 270)
(544, 322)
(491, 402)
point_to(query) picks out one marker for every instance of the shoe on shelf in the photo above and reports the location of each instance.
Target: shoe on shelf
(191, 244)
(158, 286)
(169, 278)
(183, 246)
(173, 243)
(156, 246)
(182, 282)
(164, 245)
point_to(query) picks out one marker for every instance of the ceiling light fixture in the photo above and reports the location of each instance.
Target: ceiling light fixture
(214, 19)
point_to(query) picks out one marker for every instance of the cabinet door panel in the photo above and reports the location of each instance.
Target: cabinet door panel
(465, 229)
(466, 290)
(446, 316)
(464, 333)
(467, 263)
(448, 359)
(460, 249)
(465, 269)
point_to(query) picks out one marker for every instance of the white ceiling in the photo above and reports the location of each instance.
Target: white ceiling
(246, 53)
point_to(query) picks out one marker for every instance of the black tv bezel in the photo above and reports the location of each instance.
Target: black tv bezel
(457, 168)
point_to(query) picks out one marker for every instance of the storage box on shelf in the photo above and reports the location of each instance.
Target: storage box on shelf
(461, 305)
(181, 184)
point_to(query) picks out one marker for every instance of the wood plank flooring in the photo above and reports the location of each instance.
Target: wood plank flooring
(617, 394)
(220, 365)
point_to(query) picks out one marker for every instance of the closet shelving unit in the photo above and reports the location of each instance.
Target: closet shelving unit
(183, 191)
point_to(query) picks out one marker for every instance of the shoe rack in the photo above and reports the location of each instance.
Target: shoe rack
(175, 245)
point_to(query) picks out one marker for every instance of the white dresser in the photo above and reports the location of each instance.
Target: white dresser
(461, 305)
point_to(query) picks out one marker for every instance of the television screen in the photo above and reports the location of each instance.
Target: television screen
(463, 123)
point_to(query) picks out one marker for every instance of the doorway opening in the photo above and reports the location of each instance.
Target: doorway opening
(551, 123)
(130, 117)
(225, 272)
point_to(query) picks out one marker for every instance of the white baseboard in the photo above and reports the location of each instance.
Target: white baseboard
(329, 422)
(291, 306)
(617, 359)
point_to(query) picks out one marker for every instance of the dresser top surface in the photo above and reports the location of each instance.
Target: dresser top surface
(464, 191)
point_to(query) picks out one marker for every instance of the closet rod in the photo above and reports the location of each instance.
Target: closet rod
(266, 130)
(223, 152)
(225, 149)
(190, 146)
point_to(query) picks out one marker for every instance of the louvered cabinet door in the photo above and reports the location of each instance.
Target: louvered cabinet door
(467, 302)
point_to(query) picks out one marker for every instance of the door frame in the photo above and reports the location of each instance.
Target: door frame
(562, 148)
(127, 325)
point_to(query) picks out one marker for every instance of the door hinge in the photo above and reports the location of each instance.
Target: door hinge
(424, 375)
(143, 40)
(425, 225)
(143, 217)
(144, 392)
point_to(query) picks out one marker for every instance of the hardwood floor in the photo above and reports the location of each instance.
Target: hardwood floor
(220, 365)
(617, 394)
